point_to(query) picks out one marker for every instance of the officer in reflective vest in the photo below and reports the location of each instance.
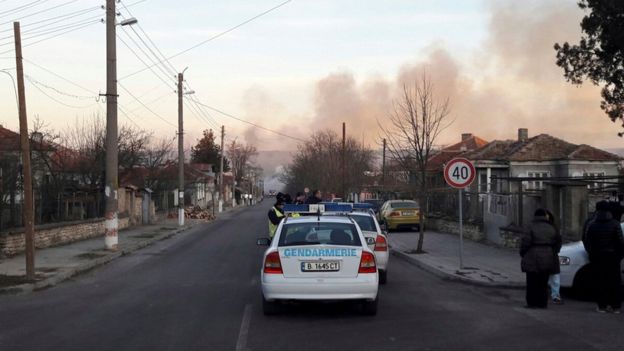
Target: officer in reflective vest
(275, 217)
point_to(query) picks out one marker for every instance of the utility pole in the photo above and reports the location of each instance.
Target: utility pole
(221, 188)
(29, 216)
(383, 166)
(344, 171)
(180, 153)
(111, 224)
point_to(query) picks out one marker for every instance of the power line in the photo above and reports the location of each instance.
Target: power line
(58, 91)
(143, 62)
(21, 8)
(213, 37)
(54, 99)
(41, 11)
(59, 18)
(41, 33)
(250, 123)
(54, 36)
(61, 77)
(146, 107)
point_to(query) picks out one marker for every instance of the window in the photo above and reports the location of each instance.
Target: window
(595, 185)
(315, 233)
(366, 223)
(536, 184)
(404, 204)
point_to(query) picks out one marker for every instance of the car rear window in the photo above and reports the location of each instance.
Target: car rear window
(404, 204)
(297, 234)
(366, 223)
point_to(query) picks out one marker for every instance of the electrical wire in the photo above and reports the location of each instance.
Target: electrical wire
(250, 123)
(60, 77)
(166, 74)
(51, 37)
(58, 91)
(5, 71)
(37, 34)
(21, 8)
(212, 38)
(54, 99)
(59, 18)
(41, 11)
(144, 105)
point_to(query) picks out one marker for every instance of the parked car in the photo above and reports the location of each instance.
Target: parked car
(576, 272)
(396, 214)
(377, 203)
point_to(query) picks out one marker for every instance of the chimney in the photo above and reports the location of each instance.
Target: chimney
(523, 134)
(466, 136)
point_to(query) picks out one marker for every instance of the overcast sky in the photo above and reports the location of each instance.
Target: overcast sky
(312, 64)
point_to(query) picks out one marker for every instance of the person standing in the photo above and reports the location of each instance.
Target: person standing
(539, 249)
(276, 213)
(554, 281)
(604, 244)
(315, 198)
(299, 198)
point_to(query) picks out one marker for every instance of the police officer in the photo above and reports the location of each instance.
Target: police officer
(315, 198)
(276, 213)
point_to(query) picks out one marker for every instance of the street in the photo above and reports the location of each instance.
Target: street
(200, 291)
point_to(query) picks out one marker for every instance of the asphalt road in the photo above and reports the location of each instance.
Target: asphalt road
(200, 291)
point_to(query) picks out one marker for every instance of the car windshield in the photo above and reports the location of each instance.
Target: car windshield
(366, 223)
(404, 204)
(315, 233)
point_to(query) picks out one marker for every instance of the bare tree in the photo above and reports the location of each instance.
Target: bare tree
(318, 164)
(240, 156)
(411, 129)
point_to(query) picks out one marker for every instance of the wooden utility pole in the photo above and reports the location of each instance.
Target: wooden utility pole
(111, 223)
(27, 201)
(180, 153)
(344, 170)
(221, 188)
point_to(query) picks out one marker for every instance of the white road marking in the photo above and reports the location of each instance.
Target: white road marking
(241, 342)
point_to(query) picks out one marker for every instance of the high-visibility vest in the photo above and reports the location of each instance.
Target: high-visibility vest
(273, 227)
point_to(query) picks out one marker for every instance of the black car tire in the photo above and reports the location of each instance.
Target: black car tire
(369, 308)
(383, 277)
(270, 308)
(584, 283)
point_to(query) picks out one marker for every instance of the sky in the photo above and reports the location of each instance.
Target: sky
(308, 65)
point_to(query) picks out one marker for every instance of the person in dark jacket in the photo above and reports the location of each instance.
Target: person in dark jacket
(539, 249)
(604, 244)
(554, 281)
(315, 198)
(299, 198)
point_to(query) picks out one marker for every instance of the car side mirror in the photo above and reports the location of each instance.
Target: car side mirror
(263, 241)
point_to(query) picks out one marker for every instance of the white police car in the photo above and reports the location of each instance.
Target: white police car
(576, 272)
(318, 258)
(376, 240)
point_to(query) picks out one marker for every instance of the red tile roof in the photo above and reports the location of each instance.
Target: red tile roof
(542, 147)
(437, 161)
(9, 140)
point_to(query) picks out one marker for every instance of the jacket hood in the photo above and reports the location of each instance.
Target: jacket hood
(603, 216)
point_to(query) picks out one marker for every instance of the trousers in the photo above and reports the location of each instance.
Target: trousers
(537, 289)
(608, 280)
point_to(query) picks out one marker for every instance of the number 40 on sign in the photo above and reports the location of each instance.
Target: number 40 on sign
(459, 173)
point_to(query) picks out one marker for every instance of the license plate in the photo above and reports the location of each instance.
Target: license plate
(320, 266)
(408, 213)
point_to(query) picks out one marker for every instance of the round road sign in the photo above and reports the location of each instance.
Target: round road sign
(459, 173)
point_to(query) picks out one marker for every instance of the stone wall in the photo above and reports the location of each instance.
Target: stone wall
(470, 230)
(510, 237)
(13, 242)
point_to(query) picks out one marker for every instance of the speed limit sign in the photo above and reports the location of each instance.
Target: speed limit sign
(459, 173)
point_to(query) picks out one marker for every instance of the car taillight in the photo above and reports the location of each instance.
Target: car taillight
(381, 244)
(272, 264)
(367, 263)
(395, 214)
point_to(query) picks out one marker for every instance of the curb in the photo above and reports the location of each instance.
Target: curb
(452, 277)
(55, 280)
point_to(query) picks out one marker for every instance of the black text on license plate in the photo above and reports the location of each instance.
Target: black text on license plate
(320, 266)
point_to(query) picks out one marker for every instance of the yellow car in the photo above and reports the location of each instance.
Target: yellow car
(400, 214)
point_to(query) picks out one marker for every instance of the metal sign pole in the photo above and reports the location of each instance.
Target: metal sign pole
(461, 234)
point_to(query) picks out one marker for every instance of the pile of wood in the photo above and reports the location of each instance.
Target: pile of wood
(194, 212)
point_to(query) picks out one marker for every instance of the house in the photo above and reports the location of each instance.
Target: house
(514, 177)
(542, 156)
(435, 165)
